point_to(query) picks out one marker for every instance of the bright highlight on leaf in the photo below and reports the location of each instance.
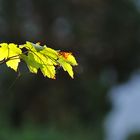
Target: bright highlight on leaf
(37, 57)
(11, 54)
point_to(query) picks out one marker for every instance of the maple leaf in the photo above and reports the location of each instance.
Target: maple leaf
(66, 66)
(67, 60)
(3, 51)
(11, 53)
(31, 63)
(38, 59)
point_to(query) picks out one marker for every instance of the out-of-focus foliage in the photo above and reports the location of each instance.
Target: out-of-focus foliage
(134, 137)
(104, 37)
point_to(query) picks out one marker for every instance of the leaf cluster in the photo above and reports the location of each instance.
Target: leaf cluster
(37, 57)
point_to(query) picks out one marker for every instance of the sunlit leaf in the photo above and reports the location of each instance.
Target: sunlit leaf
(37, 57)
(3, 51)
(31, 63)
(68, 57)
(11, 54)
(66, 66)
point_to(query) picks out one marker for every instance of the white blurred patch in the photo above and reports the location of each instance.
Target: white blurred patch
(124, 119)
(137, 4)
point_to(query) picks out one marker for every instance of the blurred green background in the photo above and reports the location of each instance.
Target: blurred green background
(104, 37)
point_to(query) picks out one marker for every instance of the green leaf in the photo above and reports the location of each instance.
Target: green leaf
(37, 46)
(31, 63)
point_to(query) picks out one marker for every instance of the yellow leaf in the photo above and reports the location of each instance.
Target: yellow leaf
(13, 56)
(48, 71)
(35, 61)
(68, 57)
(31, 63)
(71, 59)
(67, 67)
(3, 51)
(47, 68)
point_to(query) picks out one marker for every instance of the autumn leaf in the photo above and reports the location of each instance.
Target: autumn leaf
(68, 57)
(67, 60)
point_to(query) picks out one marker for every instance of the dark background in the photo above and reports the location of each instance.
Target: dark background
(104, 37)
